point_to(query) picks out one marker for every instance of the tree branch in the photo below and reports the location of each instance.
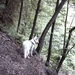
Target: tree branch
(70, 49)
(72, 21)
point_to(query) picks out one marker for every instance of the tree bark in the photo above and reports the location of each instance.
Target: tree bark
(35, 19)
(20, 15)
(51, 37)
(41, 40)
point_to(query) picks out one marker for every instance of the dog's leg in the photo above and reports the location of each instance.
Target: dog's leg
(28, 54)
(32, 50)
(25, 53)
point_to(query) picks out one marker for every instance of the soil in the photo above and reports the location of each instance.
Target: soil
(13, 63)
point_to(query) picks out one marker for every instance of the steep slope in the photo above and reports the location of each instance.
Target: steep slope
(13, 63)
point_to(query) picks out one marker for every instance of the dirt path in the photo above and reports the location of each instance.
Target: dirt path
(12, 62)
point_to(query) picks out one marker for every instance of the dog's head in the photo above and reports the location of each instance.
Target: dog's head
(36, 40)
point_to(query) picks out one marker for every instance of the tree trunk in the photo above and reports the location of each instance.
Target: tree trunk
(51, 37)
(35, 19)
(64, 54)
(64, 47)
(65, 25)
(6, 2)
(41, 40)
(65, 51)
(60, 63)
(20, 15)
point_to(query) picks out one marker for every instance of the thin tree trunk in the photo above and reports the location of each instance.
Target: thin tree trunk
(41, 40)
(64, 54)
(51, 37)
(65, 25)
(65, 50)
(60, 63)
(6, 2)
(20, 15)
(35, 19)
(64, 47)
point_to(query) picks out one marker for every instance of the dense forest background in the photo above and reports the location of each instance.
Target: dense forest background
(18, 17)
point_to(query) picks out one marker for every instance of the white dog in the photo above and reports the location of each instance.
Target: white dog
(28, 46)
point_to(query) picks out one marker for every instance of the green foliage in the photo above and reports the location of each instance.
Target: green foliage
(45, 13)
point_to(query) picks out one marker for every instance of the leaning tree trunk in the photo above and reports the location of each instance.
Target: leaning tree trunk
(41, 40)
(35, 19)
(51, 37)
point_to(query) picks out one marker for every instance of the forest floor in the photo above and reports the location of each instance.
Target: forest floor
(13, 63)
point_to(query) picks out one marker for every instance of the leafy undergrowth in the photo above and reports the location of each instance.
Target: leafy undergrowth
(13, 63)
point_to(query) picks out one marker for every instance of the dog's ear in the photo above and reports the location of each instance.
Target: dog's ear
(35, 35)
(36, 39)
